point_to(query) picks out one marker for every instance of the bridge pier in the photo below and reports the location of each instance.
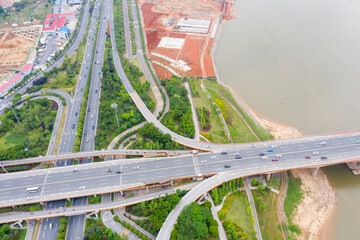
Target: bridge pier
(315, 170)
(114, 157)
(268, 176)
(4, 169)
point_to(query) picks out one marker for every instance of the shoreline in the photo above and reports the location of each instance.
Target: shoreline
(320, 195)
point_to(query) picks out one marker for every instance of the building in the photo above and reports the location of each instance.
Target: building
(52, 28)
(61, 22)
(27, 69)
(5, 3)
(5, 88)
(64, 33)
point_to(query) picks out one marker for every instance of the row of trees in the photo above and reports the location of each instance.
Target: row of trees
(31, 137)
(219, 192)
(95, 230)
(204, 117)
(150, 137)
(234, 231)
(156, 210)
(113, 91)
(132, 228)
(63, 223)
(179, 117)
(195, 222)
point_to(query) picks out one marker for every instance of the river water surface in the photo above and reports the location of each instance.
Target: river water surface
(298, 62)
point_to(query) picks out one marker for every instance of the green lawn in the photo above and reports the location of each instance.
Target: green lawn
(201, 100)
(22, 234)
(261, 132)
(268, 219)
(275, 181)
(239, 215)
(238, 129)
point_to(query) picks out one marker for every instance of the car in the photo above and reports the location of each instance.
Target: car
(227, 166)
(118, 172)
(88, 109)
(66, 163)
(357, 142)
(87, 67)
(261, 154)
(109, 170)
(76, 113)
(264, 157)
(96, 51)
(75, 133)
(81, 159)
(85, 132)
(238, 157)
(99, 73)
(81, 187)
(50, 226)
(278, 155)
(252, 146)
(274, 146)
(274, 159)
(96, 91)
(98, 62)
(203, 161)
(236, 154)
(87, 139)
(93, 127)
(136, 167)
(92, 116)
(75, 170)
(307, 157)
(81, 89)
(223, 153)
(322, 143)
(213, 157)
(73, 126)
(270, 150)
(315, 153)
(323, 157)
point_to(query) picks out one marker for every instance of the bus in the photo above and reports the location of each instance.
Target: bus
(33, 189)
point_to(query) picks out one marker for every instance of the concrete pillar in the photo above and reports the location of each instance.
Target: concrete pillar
(114, 157)
(315, 170)
(268, 176)
(4, 169)
(19, 223)
(121, 192)
(147, 189)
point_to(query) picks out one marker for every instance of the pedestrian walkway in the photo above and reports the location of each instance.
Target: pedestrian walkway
(222, 233)
(194, 115)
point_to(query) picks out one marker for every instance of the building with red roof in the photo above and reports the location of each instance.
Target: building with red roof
(26, 69)
(8, 85)
(47, 23)
(61, 22)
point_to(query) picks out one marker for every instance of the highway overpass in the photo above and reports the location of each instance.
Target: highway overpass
(94, 178)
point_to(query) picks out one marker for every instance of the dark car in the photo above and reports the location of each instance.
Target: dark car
(227, 166)
(88, 109)
(96, 91)
(81, 89)
(109, 170)
(76, 114)
(118, 172)
(85, 132)
(261, 154)
(238, 157)
(93, 127)
(223, 153)
(323, 157)
(73, 126)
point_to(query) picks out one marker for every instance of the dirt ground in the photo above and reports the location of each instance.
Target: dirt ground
(317, 206)
(196, 48)
(14, 50)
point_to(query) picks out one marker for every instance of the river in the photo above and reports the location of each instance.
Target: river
(297, 62)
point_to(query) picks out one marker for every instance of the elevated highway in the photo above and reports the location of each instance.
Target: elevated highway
(95, 178)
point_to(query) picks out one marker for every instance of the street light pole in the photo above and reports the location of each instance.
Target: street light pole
(114, 106)
(247, 137)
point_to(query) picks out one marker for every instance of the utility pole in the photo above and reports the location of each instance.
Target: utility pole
(114, 106)
(15, 115)
(247, 137)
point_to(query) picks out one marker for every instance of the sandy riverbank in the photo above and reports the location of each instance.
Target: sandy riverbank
(318, 205)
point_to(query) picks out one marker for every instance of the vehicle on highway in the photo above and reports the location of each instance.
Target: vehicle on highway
(264, 157)
(118, 172)
(136, 167)
(227, 166)
(322, 143)
(275, 160)
(261, 154)
(88, 109)
(96, 91)
(236, 154)
(87, 67)
(73, 126)
(66, 163)
(87, 139)
(357, 142)
(278, 155)
(323, 157)
(109, 170)
(81, 159)
(75, 133)
(76, 113)
(213, 157)
(93, 127)
(33, 189)
(270, 150)
(98, 62)
(223, 153)
(81, 89)
(238, 157)
(92, 116)
(307, 157)
(50, 226)
(96, 51)
(85, 132)
(75, 170)
(274, 146)
(203, 161)
(81, 187)
(315, 153)
(252, 146)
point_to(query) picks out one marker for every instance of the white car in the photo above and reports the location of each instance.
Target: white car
(274, 146)
(213, 156)
(278, 155)
(136, 167)
(252, 146)
(315, 153)
(235, 154)
(264, 157)
(81, 187)
(203, 161)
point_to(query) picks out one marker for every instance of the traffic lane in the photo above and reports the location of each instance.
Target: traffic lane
(30, 181)
(49, 232)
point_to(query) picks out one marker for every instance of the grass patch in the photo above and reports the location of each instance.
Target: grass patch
(262, 133)
(274, 182)
(61, 128)
(237, 127)
(216, 133)
(239, 215)
(94, 199)
(268, 218)
(68, 203)
(22, 234)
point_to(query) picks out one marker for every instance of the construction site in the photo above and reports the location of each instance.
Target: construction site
(17, 47)
(180, 33)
